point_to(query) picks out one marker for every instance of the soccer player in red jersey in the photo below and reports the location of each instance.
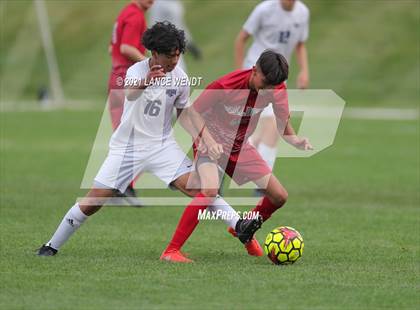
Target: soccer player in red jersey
(231, 107)
(125, 49)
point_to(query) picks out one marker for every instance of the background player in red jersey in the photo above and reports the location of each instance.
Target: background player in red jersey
(231, 107)
(125, 49)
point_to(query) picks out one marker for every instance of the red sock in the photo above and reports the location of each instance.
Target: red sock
(188, 222)
(266, 208)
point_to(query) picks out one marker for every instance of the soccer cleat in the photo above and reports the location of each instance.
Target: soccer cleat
(232, 232)
(130, 197)
(130, 192)
(253, 247)
(46, 250)
(174, 256)
(245, 229)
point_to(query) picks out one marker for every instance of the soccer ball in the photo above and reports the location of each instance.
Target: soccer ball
(283, 245)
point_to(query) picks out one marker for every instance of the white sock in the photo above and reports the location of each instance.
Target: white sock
(230, 217)
(268, 153)
(70, 223)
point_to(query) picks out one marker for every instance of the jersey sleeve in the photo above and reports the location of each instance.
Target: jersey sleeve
(182, 101)
(132, 72)
(252, 24)
(131, 33)
(135, 74)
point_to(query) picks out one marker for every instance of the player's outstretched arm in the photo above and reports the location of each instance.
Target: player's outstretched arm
(289, 135)
(185, 121)
(207, 142)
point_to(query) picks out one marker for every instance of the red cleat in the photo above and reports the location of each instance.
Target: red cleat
(174, 256)
(253, 247)
(232, 232)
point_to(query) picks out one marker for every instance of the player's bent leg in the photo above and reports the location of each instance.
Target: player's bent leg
(95, 199)
(189, 218)
(275, 196)
(269, 137)
(74, 218)
(244, 229)
(188, 183)
(269, 133)
(209, 178)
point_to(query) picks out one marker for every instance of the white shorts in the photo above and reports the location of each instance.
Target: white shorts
(167, 161)
(268, 111)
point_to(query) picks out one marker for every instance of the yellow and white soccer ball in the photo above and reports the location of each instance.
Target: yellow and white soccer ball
(284, 245)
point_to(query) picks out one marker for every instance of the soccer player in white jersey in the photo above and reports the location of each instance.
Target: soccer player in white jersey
(281, 26)
(143, 142)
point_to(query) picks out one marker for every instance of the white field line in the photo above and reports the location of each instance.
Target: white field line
(162, 201)
(381, 114)
(362, 113)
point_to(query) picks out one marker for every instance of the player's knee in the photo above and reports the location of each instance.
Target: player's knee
(209, 192)
(191, 192)
(280, 198)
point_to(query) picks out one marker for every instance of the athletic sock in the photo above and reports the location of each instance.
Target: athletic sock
(265, 208)
(70, 223)
(229, 215)
(268, 153)
(188, 222)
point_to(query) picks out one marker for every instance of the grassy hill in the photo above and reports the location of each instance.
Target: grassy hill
(367, 52)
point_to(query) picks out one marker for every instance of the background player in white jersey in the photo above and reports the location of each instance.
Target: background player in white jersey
(173, 11)
(282, 26)
(143, 142)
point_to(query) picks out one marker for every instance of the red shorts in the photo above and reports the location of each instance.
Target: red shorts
(244, 166)
(116, 95)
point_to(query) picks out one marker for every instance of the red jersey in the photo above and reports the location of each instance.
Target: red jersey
(128, 29)
(231, 110)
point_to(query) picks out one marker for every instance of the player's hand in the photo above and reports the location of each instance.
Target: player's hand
(302, 80)
(201, 147)
(156, 72)
(299, 143)
(303, 144)
(215, 150)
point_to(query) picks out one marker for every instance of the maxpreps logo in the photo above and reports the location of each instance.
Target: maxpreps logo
(226, 215)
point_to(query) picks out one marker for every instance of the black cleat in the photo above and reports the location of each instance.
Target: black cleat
(130, 192)
(130, 197)
(46, 250)
(245, 229)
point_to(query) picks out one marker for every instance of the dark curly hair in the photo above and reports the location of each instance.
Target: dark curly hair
(274, 66)
(164, 38)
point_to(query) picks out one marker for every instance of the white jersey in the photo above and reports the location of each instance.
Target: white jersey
(147, 120)
(274, 28)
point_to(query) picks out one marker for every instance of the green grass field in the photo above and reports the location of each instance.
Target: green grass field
(356, 205)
